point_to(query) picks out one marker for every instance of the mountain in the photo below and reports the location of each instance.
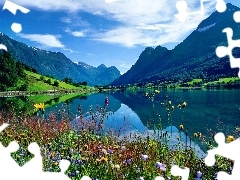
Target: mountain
(56, 64)
(195, 57)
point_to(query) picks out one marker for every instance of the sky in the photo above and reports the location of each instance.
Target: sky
(110, 32)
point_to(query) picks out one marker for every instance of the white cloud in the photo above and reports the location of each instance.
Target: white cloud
(66, 20)
(76, 33)
(44, 39)
(141, 22)
(110, 1)
(70, 50)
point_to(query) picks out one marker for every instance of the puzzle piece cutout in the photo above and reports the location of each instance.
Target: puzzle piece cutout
(227, 150)
(182, 8)
(12, 7)
(222, 51)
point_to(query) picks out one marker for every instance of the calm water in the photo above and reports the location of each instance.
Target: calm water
(204, 109)
(133, 111)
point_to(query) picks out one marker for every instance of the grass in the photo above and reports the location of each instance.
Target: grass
(62, 85)
(104, 155)
(194, 81)
(35, 84)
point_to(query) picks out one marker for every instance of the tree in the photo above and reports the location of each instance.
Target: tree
(68, 80)
(8, 71)
(84, 83)
(49, 81)
(24, 87)
(56, 83)
(41, 78)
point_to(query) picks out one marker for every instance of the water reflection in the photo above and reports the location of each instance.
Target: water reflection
(128, 124)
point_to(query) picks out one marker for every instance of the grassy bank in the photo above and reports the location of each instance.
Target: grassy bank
(37, 82)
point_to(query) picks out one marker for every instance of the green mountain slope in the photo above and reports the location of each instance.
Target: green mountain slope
(55, 64)
(195, 57)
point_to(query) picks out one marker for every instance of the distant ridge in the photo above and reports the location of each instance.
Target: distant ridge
(56, 64)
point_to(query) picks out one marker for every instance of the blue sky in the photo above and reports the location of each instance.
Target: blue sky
(110, 32)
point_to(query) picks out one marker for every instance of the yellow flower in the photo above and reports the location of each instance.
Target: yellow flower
(36, 106)
(179, 106)
(172, 108)
(200, 135)
(184, 104)
(104, 159)
(195, 135)
(157, 91)
(230, 139)
(39, 106)
(56, 163)
(9, 135)
(181, 127)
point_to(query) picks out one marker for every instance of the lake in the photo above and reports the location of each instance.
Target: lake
(132, 110)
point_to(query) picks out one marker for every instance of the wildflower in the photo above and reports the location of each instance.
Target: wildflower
(181, 127)
(230, 170)
(200, 135)
(146, 94)
(117, 166)
(110, 151)
(199, 175)
(230, 139)
(172, 108)
(169, 102)
(138, 170)
(55, 163)
(9, 135)
(39, 106)
(184, 104)
(157, 91)
(104, 151)
(104, 159)
(128, 161)
(123, 148)
(144, 157)
(195, 135)
(160, 166)
(141, 178)
(98, 160)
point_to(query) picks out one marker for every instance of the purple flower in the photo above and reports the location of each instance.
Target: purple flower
(110, 151)
(128, 161)
(199, 174)
(144, 157)
(123, 148)
(160, 166)
(215, 176)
